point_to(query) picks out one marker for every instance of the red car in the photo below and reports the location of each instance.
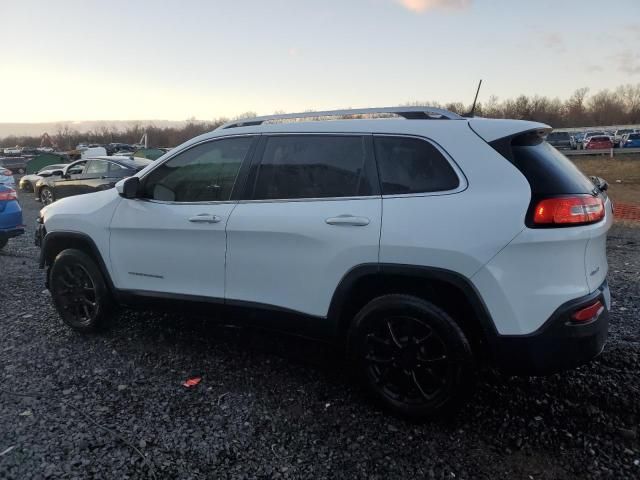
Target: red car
(599, 143)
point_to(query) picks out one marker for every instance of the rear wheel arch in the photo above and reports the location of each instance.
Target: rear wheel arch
(449, 290)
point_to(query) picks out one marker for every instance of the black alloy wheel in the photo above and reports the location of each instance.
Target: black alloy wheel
(78, 290)
(412, 356)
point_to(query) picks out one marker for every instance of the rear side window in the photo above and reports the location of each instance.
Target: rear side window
(97, 167)
(312, 166)
(547, 170)
(411, 165)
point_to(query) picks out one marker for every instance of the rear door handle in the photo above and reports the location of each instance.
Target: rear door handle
(348, 220)
(205, 218)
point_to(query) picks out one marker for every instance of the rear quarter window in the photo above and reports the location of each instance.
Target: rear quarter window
(547, 170)
(411, 165)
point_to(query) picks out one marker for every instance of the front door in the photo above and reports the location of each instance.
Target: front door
(172, 239)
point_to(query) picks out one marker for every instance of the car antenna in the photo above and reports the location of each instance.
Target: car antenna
(473, 107)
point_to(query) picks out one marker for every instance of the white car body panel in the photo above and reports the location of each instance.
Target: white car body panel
(540, 270)
(285, 254)
(155, 247)
(460, 231)
(88, 214)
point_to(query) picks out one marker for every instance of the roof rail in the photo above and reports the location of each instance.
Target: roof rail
(410, 113)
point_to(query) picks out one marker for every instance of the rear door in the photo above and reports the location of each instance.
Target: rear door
(311, 212)
(94, 177)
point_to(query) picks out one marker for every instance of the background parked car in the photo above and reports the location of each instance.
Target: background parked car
(559, 140)
(618, 134)
(17, 164)
(86, 176)
(6, 178)
(630, 140)
(28, 182)
(598, 142)
(576, 140)
(593, 133)
(10, 215)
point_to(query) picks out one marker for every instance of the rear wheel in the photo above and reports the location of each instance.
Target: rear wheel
(412, 356)
(79, 291)
(46, 196)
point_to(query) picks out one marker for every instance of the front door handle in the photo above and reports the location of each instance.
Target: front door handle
(205, 218)
(348, 220)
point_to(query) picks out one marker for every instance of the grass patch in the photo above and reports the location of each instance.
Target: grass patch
(622, 173)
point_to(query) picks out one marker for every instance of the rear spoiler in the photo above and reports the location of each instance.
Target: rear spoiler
(490, 129)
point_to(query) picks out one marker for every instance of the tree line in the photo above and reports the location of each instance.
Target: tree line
(620, 106)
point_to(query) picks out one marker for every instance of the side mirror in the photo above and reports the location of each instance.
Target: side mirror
(55, 173)
(128, 187)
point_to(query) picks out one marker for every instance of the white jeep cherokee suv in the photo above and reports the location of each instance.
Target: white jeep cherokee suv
(428, 244)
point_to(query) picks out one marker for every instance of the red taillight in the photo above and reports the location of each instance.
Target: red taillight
(8, 195)
(588, 313)
(569, 210)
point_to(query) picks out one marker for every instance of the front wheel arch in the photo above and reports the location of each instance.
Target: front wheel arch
(55, 242)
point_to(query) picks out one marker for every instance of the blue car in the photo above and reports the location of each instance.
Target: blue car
(631, 140)
(10, 215)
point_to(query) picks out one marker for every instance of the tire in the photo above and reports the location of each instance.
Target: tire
(3, 242)
(46, 196)
(412, 356)
(79, 291)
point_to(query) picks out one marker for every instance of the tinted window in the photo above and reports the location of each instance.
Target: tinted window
(548, 171)
(204, 173)
(312, 166)
(411, 165)
(97, 167)
(76, 168)
(116, 168)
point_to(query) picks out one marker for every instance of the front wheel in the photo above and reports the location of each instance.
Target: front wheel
(79, 291)
(46, 196)
(412, 356)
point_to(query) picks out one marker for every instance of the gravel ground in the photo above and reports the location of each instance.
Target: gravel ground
(275, 406)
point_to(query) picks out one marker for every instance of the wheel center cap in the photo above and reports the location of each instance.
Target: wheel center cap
(408, 357)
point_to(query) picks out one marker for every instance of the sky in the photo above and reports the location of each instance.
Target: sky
(77, 60)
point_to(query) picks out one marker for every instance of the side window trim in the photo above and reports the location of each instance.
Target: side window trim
(240, 178)
(463, 183)
(370, 168)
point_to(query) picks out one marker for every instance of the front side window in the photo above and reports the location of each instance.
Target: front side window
(204, 173)
(411, 165)
(76, 168)
(97, 167)
(312, 166)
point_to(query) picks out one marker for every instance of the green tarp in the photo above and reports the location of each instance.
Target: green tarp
(43, 159)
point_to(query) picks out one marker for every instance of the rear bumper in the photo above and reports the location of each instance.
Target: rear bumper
(559, 344)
